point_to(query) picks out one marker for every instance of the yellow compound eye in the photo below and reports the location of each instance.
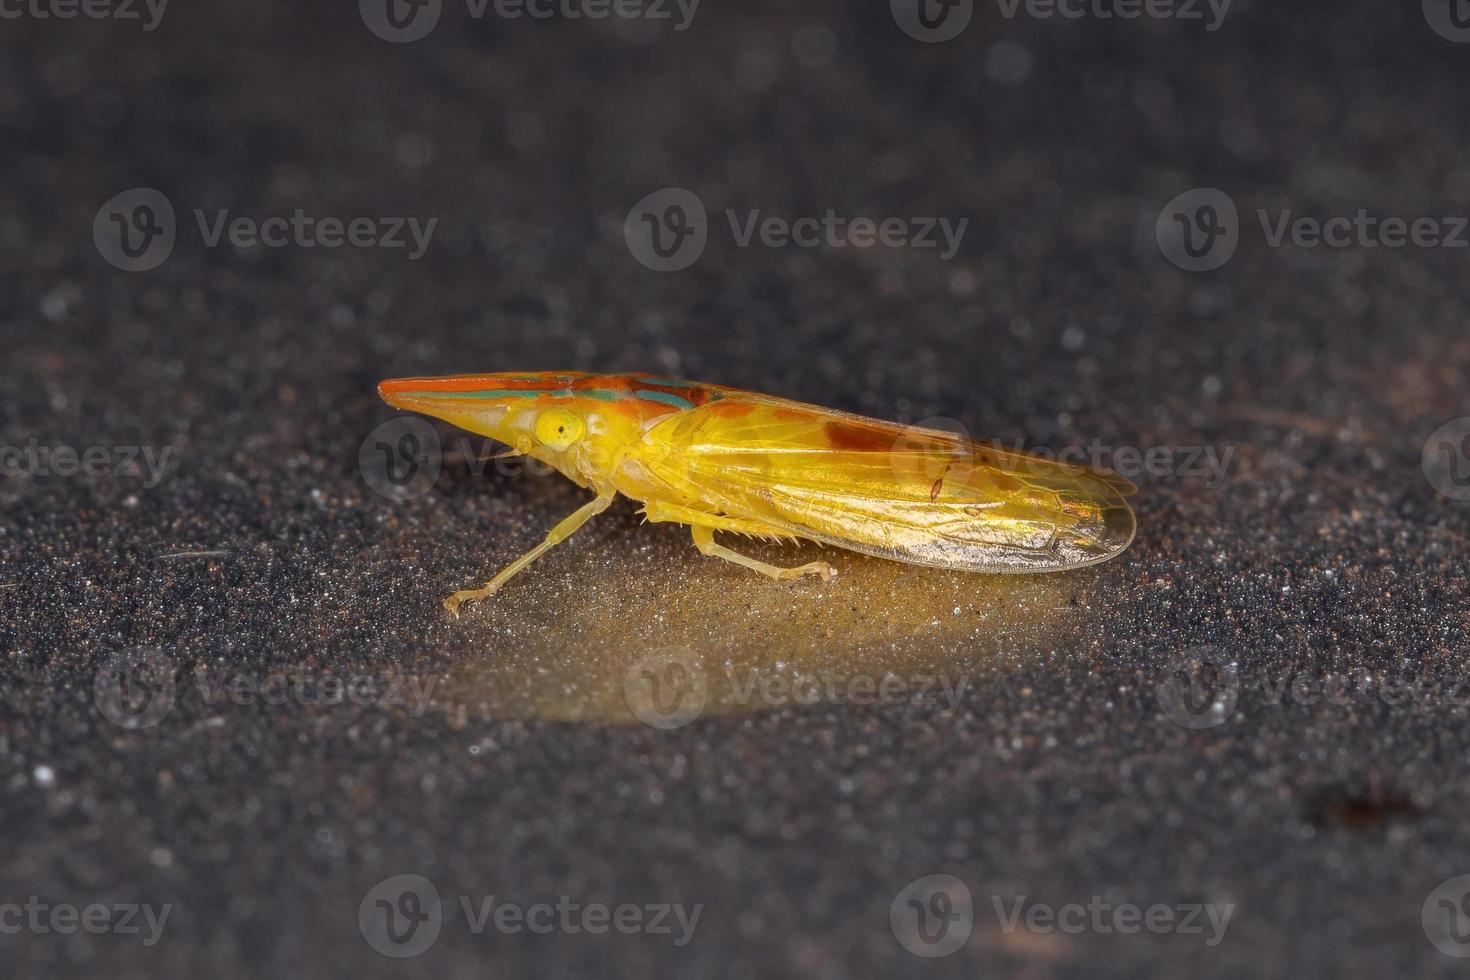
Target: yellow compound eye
(557, 428)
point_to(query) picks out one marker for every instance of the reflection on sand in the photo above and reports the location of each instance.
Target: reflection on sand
(688, 637)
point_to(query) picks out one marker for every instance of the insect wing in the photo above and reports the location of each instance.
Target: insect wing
(918, 495)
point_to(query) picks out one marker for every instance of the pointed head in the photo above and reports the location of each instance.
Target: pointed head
(547, 415)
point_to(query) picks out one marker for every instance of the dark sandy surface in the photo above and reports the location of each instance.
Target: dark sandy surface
(1044, 764)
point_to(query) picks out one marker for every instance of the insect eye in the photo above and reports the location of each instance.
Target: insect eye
(557, 428)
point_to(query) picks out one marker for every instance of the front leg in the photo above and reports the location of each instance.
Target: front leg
(556, 536)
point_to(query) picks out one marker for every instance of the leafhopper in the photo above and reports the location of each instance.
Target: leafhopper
(722, 459)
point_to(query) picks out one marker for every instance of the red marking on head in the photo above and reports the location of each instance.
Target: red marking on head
(518, 381)
(600, 382)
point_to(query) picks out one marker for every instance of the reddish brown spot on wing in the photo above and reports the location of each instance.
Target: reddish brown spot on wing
(732, 409)
(856, 438)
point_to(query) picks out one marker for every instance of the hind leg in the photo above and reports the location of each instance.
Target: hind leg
(704, 540)
(704, 525)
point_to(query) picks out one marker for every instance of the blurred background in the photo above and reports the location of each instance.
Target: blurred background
(1217, 247)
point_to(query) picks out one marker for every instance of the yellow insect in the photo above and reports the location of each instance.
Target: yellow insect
(722, 459)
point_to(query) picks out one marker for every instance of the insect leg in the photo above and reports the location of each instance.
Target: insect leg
(658, 511)
(555, 536)
(704, 540)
